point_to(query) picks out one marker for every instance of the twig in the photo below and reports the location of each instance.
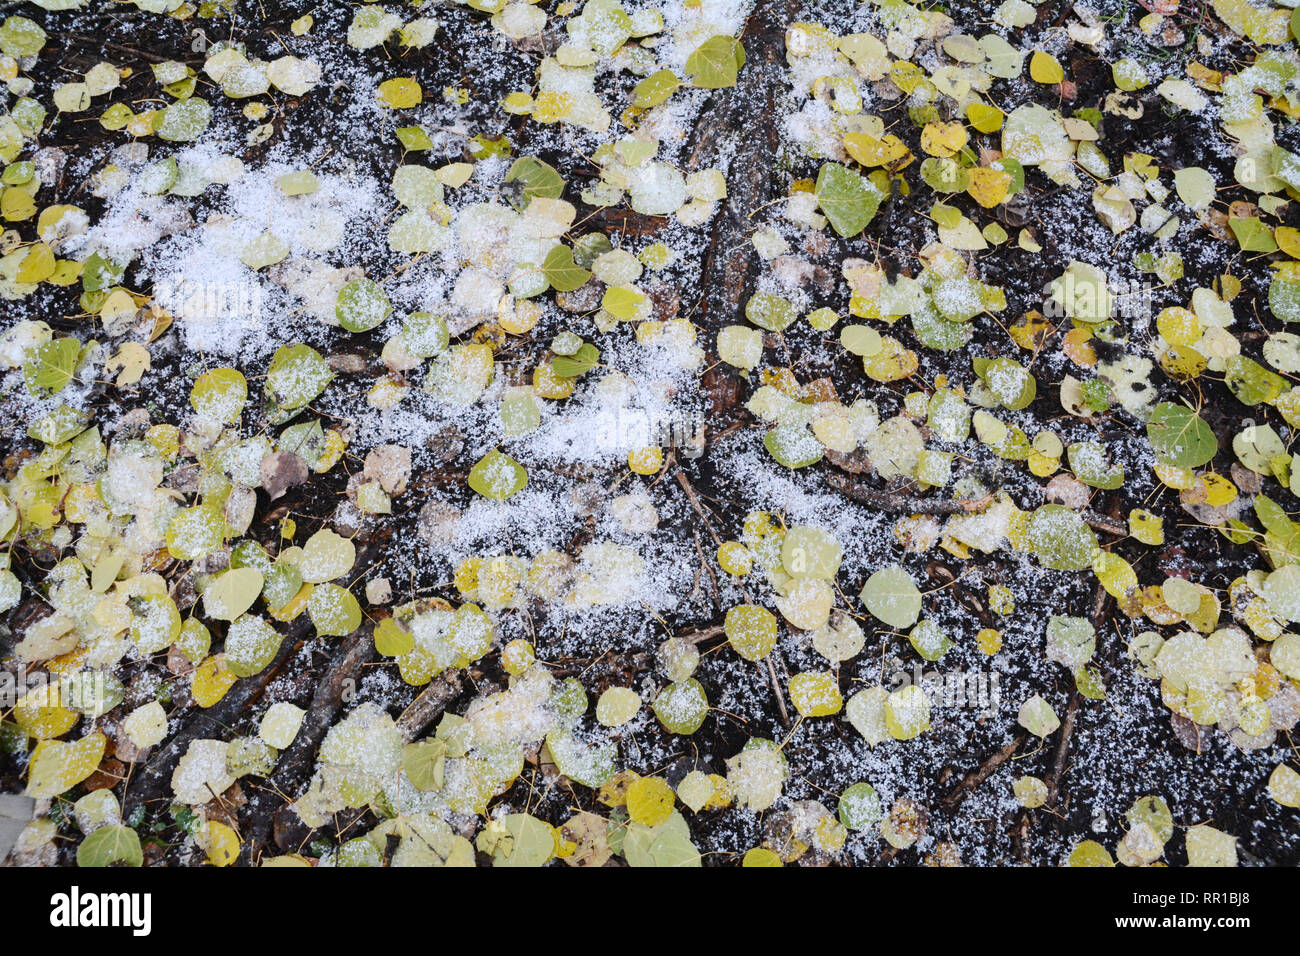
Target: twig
(894, 503)
(776, 689)
(703, 634)
(429, 706)
(296, 763)
(983, 771)
(699, 508)
(1062, 750)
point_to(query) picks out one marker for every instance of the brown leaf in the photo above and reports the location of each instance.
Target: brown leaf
(280, 471)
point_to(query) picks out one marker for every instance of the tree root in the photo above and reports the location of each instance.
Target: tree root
(296, 763)
(897, 503)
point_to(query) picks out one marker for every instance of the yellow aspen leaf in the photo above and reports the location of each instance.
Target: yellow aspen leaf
(220, 843)
(57, 766)
(989, 641)
(943, 139)
(1044, 68)
(988, 186)
(650, 801)
(646, 461)
(1115, 574)
(40, 712)
(1288, 240)
(1146, 527)
(883, 151)
(816, 694)
(985, 118)
(1030, 331)
(400, 93)
(548, 384)
(211, 680)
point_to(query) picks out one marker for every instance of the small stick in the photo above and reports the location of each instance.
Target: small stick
(894, 503)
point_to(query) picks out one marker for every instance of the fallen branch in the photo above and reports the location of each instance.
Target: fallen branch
(902, 504)
(429, 706)
(983, 771)
(699, 508)
(776, 689)
(701, 635)
(1062, 750)
(297, 762)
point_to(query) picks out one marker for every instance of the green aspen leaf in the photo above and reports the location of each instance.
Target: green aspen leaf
(655, 89)
(413, 139)
(497, 476)
(1250, 382)
(195, 533)
(562, 272)
(361, 305)
(891, 595)
(582, 361)
(51, 365)
(1011, 383)
(1195, 187)
(325, 557)
(716, 63)
(1180, 437)
(518, 840)
(1281, 590)
(301, 183)
(1284, 295)
(1092, 466)
(1252, 235)
(425, 334)
(929, 640)
(112, 845)
(1090, 853)
(59, 426)
(740, 346)
(185, 120)
(535, 179)
(232, 593)
(220, 394)
(1037, 717)
(334, 611)
(251, 645)
(666, 845)
(297, 374)
(793, 445)
(682, 707)
(21, 37)
(1060, 538)
(847, 198)
(860, 340)
(771, 312)
(425, 763)
(860, 808)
